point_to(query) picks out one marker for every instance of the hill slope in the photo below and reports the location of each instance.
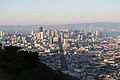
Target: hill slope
(16, 64)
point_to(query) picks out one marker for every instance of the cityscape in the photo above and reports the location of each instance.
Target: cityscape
(87, 55)
(59, 40)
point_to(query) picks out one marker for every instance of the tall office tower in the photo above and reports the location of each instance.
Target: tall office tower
(50, 40)
(40, 29)
(65, 43)
(82, 37)
(56, 33)
(62, 57)
(49, 33)
(98, 34)
(62, 34)
(53, 33)
(40, 34)
(32, 32)
(1, 34)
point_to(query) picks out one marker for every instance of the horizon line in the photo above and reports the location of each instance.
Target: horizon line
(64, 23)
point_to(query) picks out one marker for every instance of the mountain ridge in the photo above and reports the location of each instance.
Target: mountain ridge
(104, 26)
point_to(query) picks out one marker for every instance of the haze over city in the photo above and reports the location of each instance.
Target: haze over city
(59, 40)
(58, 11)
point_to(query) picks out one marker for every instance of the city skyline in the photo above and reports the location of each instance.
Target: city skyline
(58, 12)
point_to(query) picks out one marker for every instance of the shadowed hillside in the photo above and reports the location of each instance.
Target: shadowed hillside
(16, 64)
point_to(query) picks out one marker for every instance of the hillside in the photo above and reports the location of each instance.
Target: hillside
(16, 64)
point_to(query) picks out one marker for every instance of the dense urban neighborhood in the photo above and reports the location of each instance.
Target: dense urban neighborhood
(86, 55)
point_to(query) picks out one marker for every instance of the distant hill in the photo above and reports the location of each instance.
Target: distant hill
(16, 64)
(105, 26)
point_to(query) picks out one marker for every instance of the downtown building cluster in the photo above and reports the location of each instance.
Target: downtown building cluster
(47, 40)
(88, 55)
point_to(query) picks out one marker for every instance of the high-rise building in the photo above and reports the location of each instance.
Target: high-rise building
(65, 44)
(40, 29)
(56, 32)
(53, 33)
(1, 34)
(49, 33)
(32, 32)
(82, 37)
(98, 34)
(50, 40)
(40, 35)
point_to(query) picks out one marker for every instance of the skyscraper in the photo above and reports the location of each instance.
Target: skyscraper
(98, 34)
(40, 34)
(1, 34)
(40, 29)
(32, 32)
(50, 40)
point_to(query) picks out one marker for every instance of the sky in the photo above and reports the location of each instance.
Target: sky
(58, 11)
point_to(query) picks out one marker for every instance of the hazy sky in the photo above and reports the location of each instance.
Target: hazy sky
(58, 11)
